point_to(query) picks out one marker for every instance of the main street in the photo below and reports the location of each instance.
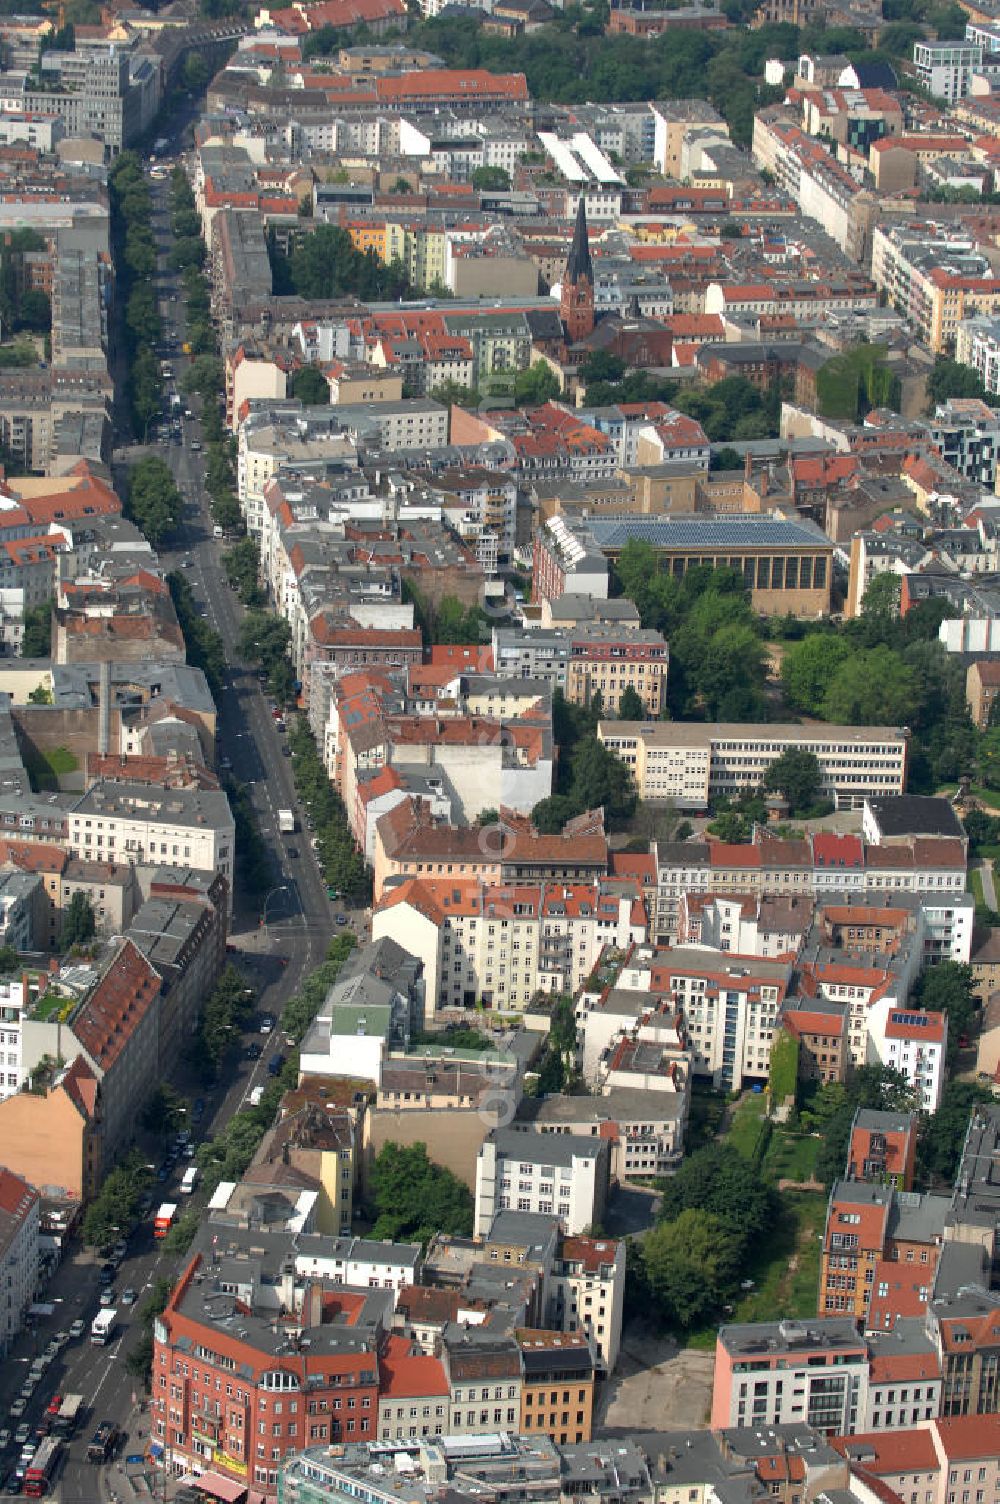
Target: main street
(275, 957)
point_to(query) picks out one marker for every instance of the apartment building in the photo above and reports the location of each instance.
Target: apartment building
(220, 1400)
(784, 1372)
(557, 1384)
(883, 1148)
(692, 764)
(935, 277)
(913, 1043)
(411, 841)
(20, 1205)
(946, 68)
(151, 825)
(414, 1394)
(117, 1030)
(501, 944)
(586, 1292)
(977, 344)
(877, 1237)
(559, 1175)
(587, 660)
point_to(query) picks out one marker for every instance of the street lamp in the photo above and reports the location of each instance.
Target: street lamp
(281, 888)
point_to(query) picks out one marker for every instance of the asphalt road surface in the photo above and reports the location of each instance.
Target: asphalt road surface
(300, 923)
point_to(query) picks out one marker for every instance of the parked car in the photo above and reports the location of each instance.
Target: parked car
(17, 1408)
(5, 1440)
(77, 1329)
(22, 1433)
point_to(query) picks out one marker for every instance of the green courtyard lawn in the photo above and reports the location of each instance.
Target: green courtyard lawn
(45, 768)
(784, 1269)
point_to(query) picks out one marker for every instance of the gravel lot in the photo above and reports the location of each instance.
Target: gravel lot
(656, 1386)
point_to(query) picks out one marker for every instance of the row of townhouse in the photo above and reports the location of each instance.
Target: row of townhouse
(935, 276)
(375, 1360)
(928, 857)
(500, 945)
(719, 1012)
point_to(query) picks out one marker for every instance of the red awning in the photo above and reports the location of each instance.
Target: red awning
(219, 1487)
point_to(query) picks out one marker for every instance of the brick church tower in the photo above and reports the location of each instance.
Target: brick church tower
(577, 301)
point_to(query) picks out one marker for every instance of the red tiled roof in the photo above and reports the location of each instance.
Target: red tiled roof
(117, 1006)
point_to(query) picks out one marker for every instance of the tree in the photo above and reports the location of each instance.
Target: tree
(601, 365)
(948, 988)
(723, 1183)
(165, 1111)
(453, 393)
(631, 706)
(797, 774)
(496, 179)
(882, 595)
(599, 778)
(949, 378)
(414, 1198)
(263, 638)
(550, 815)
(807, 668)
(195, 73)
(36, 639)
(242, 566)
(872, 688)
(80, 923)
(311, 387)
(154, 502)
(536, 386)
(689, 1265)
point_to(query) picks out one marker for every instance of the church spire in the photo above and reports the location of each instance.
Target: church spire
(579, 263)
(577, 302)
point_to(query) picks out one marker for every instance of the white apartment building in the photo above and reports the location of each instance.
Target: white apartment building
(501, 945)
(150, 825)
(977, 344)
(730, 1006)
(691, 764)
(912, 1042)
(20, 1206)
(771, 1373)
(12, 1070)
(359, 1262)
(585, 1292)
(557, 1175)
(945, 68)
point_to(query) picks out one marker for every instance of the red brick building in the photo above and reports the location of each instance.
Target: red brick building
(246, 1371)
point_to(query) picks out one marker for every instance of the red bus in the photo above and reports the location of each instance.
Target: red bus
(43, 1465)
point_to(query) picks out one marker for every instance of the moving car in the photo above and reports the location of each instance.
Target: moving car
(77, 1329)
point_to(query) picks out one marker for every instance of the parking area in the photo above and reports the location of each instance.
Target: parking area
(657, 1386)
